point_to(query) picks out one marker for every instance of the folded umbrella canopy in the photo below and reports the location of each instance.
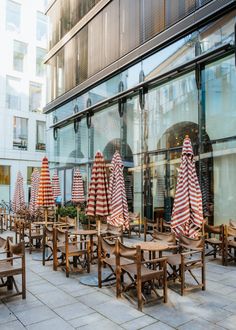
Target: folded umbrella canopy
(18, 201)
(35, 176)
(45, 196)
(56, 191)
(117, 194)
(98, 202)
(77, 188)
(187, 215)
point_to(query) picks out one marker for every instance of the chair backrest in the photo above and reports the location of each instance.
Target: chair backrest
(107, 245)
(192, 243)
(17, 249)
(48, 232)
(126, 251)
(230, 231)
(3, 242)
(165, 237)
(213, 229)
(232, 223)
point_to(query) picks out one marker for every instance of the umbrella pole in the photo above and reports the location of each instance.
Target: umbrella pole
(98, 225)
(46, 215)
(78, 211)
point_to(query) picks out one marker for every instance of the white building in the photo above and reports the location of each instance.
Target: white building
(23, 30)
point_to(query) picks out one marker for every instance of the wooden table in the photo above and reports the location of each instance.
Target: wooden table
(152, 248)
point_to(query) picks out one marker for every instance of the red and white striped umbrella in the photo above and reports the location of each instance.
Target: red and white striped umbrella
(45, 196)
(18, 201)
(98, 202)
(77, 188)
(56, 191)
(35, 176)
(117, 194)
(187, 215)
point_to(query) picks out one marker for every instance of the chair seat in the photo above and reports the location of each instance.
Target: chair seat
(111, 261)
(213, 240)
(72, 249)
(6, 269)
(146, 273)
(232, 243)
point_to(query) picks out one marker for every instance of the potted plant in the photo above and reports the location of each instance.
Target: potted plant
(83, 219)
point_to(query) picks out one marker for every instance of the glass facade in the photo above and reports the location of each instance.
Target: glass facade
(149, 128)
(116, 30)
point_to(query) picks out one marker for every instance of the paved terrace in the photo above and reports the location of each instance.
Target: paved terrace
(56, 302)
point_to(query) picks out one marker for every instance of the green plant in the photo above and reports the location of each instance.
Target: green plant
(69, 211)
(83, 218)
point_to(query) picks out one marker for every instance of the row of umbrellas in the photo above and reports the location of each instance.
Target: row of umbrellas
(109, 201)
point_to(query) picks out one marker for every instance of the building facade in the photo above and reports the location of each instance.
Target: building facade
(138, 76)
(23, 30)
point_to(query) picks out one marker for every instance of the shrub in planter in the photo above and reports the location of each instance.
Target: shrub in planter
(69, 211)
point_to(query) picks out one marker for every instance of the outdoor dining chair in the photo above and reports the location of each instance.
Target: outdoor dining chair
(139, 276)
(9, 268)
(229, 244)
(190, 257)
(214, 240)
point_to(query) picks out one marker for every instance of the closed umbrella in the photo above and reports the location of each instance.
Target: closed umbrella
(187, 216)
(77, 188)
(35, 176)
(98, 201)
(117, 194)
(56, 191)
(45, 195)
(18, 202)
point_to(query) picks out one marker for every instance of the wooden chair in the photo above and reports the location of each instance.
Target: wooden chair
(149, 227)
(106, 257)
(34, 233)
(183, 262)
(229, 244)
(9, 269)
(134, 224)
(141, 278)
(47, 244)
(214, 239)
(19, 229)
(71, 247)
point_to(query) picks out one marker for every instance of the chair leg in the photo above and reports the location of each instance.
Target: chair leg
(67, 266)
(203, 272)
(165, 284)
(139, 294)
(118, 281)
(182, 276)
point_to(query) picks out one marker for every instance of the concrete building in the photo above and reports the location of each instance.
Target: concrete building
(23, 30)
(137, 76)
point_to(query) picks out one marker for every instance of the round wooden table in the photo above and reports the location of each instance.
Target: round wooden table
(152, 248)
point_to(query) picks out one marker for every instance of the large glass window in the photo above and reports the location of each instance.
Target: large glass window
(5, 175)
(20, 133)
(40, 135)
(13, 16)
(35, 97)
(219, 92)
(19, 55)
(41, 27)
(13, 96)
(40, 67)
